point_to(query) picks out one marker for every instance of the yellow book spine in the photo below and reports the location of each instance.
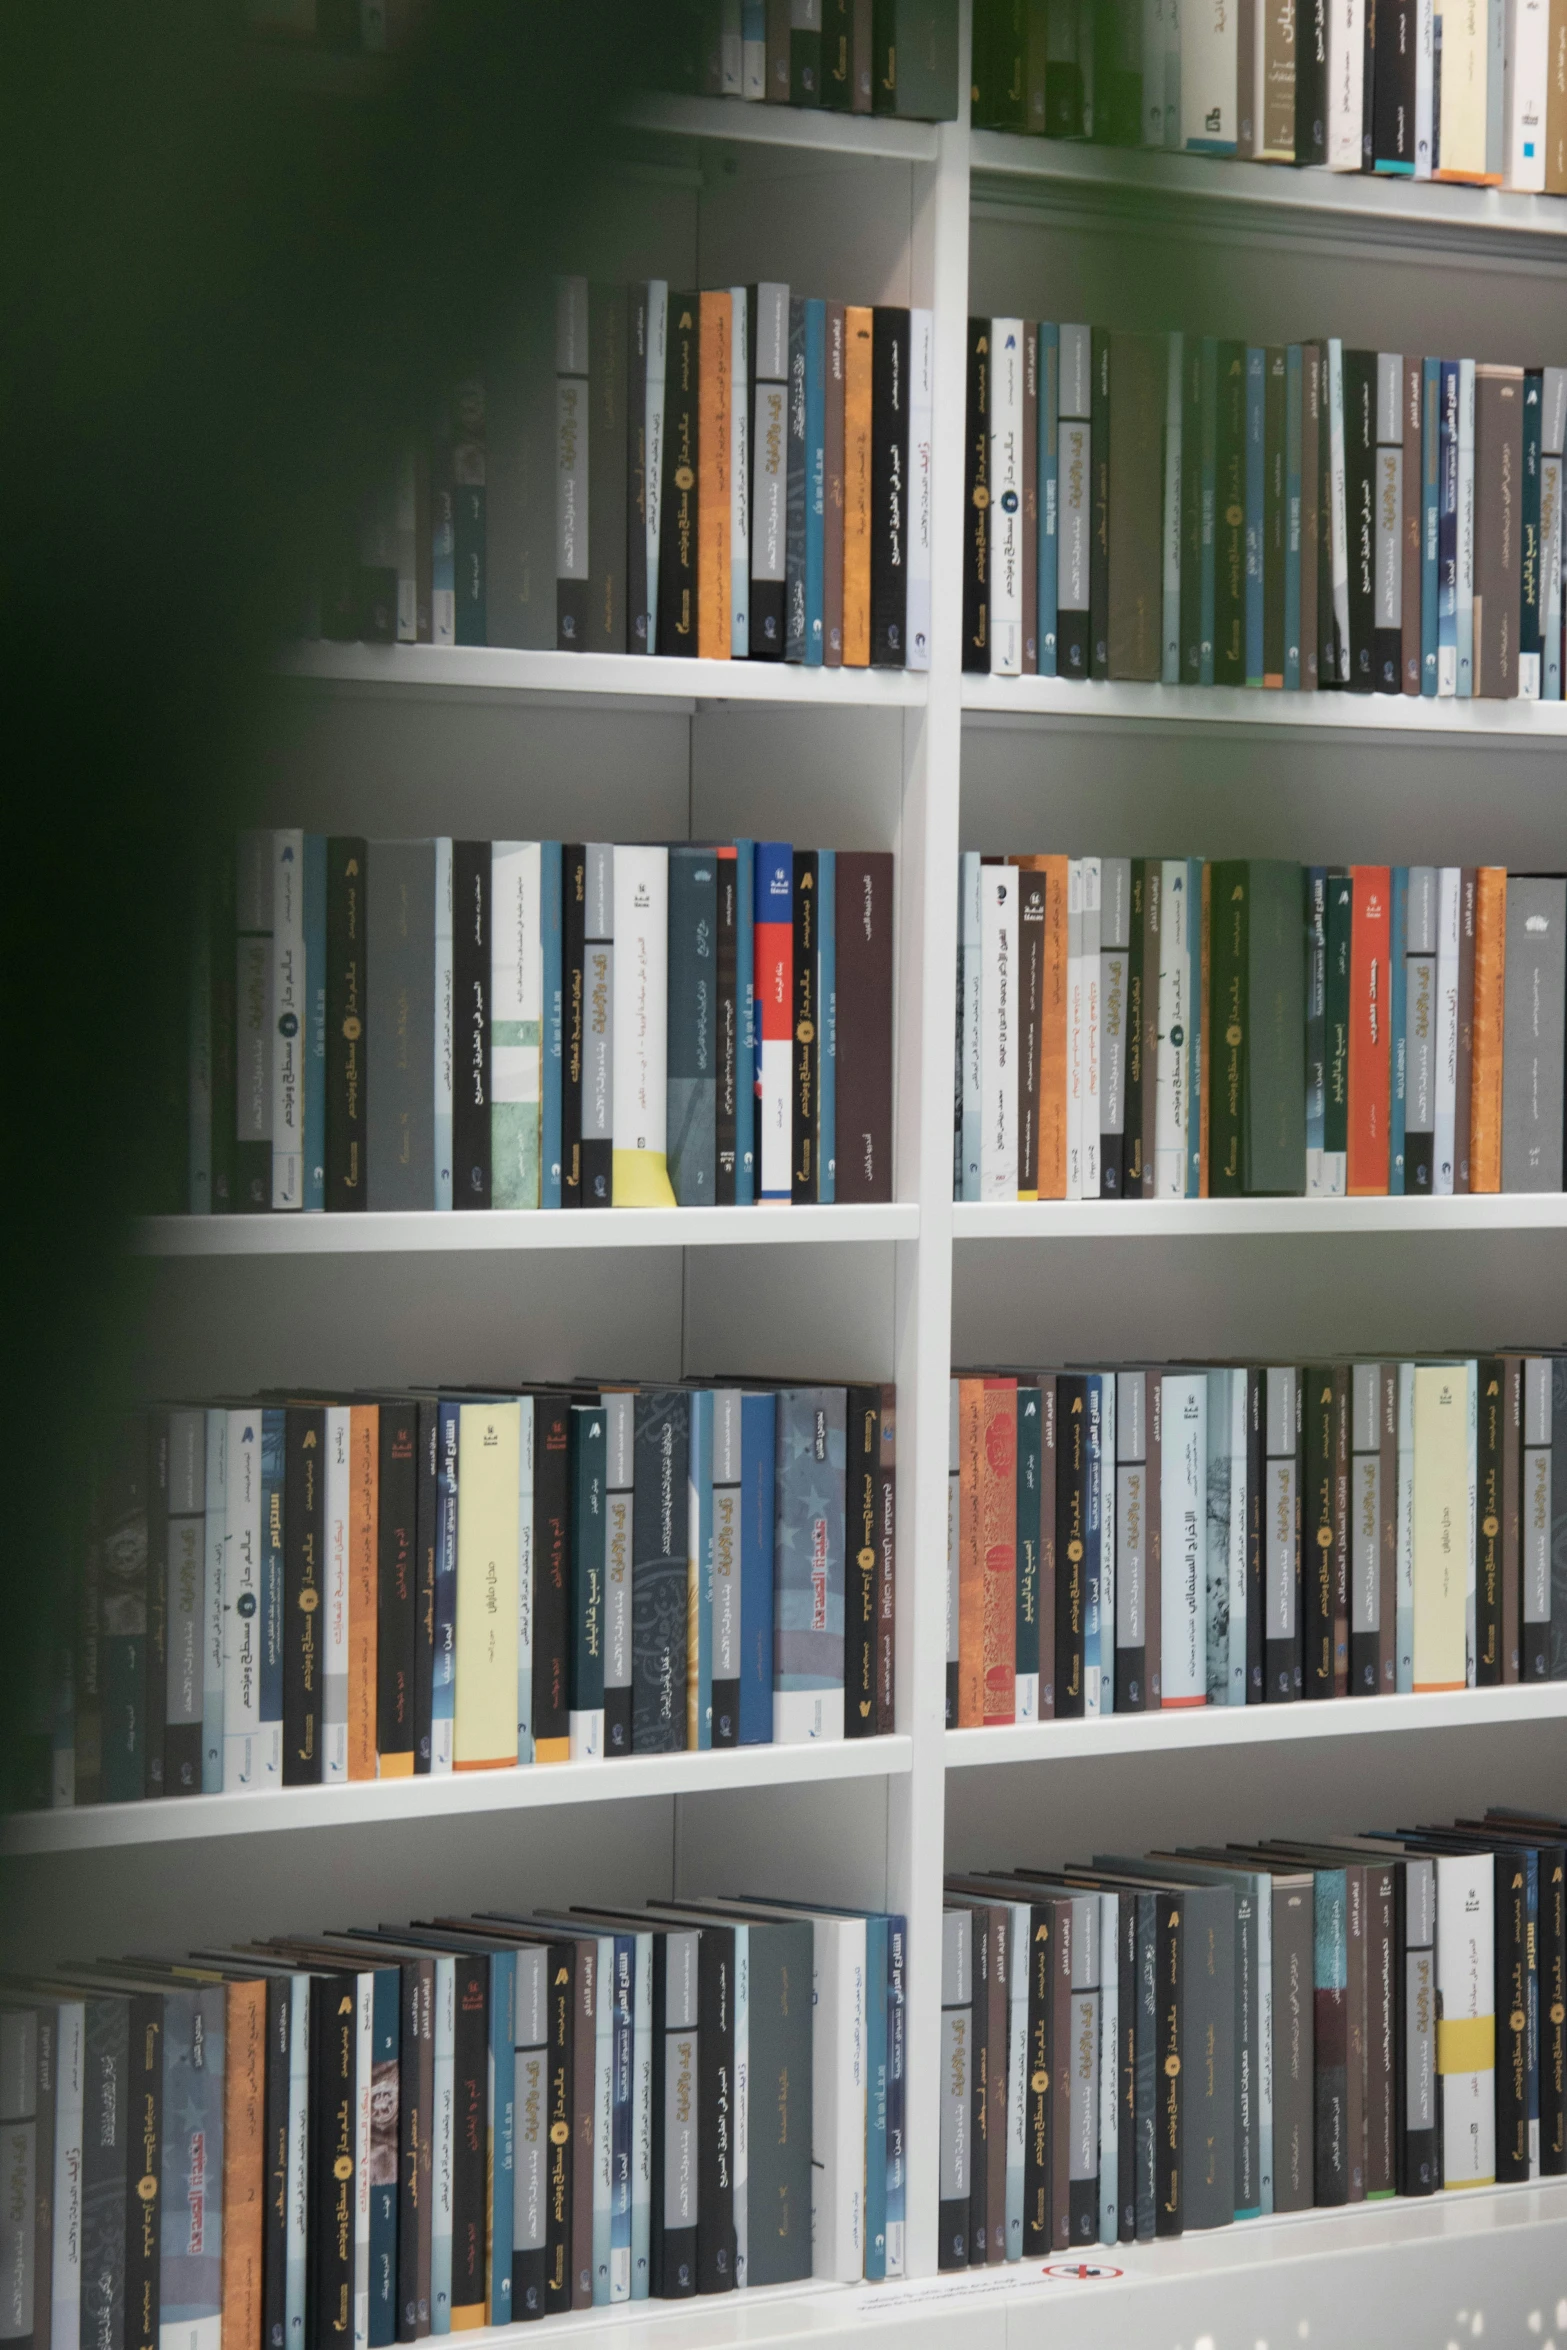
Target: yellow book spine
(1442, 1535)
(857, 327)
(489, 1455)
(364, 1451)
(715, 395)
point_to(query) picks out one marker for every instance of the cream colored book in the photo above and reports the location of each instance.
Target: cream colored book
(489, 1460)
(1442, 1542)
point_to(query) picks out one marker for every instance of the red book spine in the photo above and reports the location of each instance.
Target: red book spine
(1370, 1003)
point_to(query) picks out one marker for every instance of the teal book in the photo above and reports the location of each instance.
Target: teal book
(585, 1672)
(1335, 1105)
(516, 1022)
(315, 1022)
(691, 1081)
(385, 2083)
(808, 1564)
(553, 1033)
(502, 2162)
(1256, 498)
(1330, 2003)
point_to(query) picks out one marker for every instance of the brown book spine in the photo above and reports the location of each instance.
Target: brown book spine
(971, 1594)
(364, 1442)
(1045, 1599)
(1387, 1534)
(864, 38)
(715, 385)
(244, 2158)
(864, 1026)
(1310, 511)
(1512, 1515)
(1463, 1109)
(858, 334)
(1138, 366)
(1153, 885)
(1409, 608)
(1490, 981)
(1052, 1031)
(833, 457)
(1031, 980)
(1498, 497)
(1153, 1574)
(1343, 1430)
(1030, 498)
(778, 85)
(887, 1567)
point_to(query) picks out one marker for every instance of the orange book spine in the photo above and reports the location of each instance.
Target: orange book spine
(857, 488)
(1208, 1048)
(364, 1440)
(1485, 1104)
(715, 389)
(998, 1549)
(971, 1590)
(1052, 1034)
(244, 2157)
(1370, 1043)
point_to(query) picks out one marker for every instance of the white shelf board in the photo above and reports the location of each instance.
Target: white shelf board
(740, 122)
(599, 677)
(367, 1802)
(1542, 725)
(1433, 212)
(1186, 1729)
(1228, 1219)
(513, 1229)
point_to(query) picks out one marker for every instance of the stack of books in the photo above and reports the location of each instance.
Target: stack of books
(897, 57)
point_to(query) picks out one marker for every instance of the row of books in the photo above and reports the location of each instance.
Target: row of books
(741, 473)
(303, 1593)
(897, 57)
(1162, 1029)
(1403, 88)
(347, 2139)
(1138, 2046)
(1192, 511)
(1132, 1539)
(524, 1024)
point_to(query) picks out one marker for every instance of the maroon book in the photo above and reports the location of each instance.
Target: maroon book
(864, 1027)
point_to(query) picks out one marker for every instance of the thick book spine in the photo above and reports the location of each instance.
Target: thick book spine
(638, 338)
(694, 1042)
(863, 1058)
(1498, 495)
(515, 1043)
(955, 2134)
(808, 1589)
(585, 1692)
(774, 992)
(572, 446)
(598, 1026)
(1256, 494)
(890, 482)
(396, 1634)
(660, 1572)
(552, 1030)
(304, 1582)
(678, 589)
(715, 438)
(1048, 494)
(607, 502)
(1195, 519)
(426, 1555)
(768, 334)
(400, 1043)
(725, 1565)
(551, 1553)
(797, 490)
(472, 990)
(732, 1075)
(1229, 626)
(861, 1532)
(346, 1018)
(805, 1030)
(976, 506)
(834, 501)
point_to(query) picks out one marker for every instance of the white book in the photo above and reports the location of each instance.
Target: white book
(753, 49)
(1338, 520)
(1463, 93)
(215, 1573)
(335, 1596)
(657, 334)
(1076, 1015)
(525, 1572)
(1405, 1625)
(1449, 895)
(739, 478)
(1280, 1601)
(1237, 1511)
(296, 2233)
(1019, 1947)
(922, 376)
(740, 2129)
(1109, 2065)
(288, 1020)
(1209, 68)
(443, 2139)
(364, 2068)
(1466, 1998)
(604, 2122)
(1346, 83)
(444, 1030)
(642, 2123)
(970, 929)
(1183, 1513)
(1006, 496)
(1528, 78)
(999, 964)
(241, 1607)
(1466, 528)
(1170, 661)
(1172, 1068)
(641, 1178)
(1425, 87)
(1092, 977)
(1442, 1548)
(516, 1022)
(838, 2099)
(1536, 1502)
(65, 2295)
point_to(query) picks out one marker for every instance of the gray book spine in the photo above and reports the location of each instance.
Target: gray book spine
(619, 1569)
(519, 538)
(794, 493)
(1535, 1518)
(1558, 1631)
(1083, 2058)
(22, 2289)
(779, 2105)
(598, 1026)
(191, 2275)
(185, 1622)
(400, 1108)
(691, 1082)
(1532, 1050)
(808, 1564)
(1115, 935)
(1294, 2045)
(1208, 2036)
(104, 2151)
(659, 1572)
(1420, 1030)
(957, 2024)
(1146, 2076)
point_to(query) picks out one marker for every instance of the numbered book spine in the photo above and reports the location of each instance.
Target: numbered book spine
(572, 414)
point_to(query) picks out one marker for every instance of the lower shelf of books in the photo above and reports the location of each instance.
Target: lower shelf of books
(1022, 698)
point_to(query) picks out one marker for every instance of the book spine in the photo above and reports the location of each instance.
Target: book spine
(680, 481)
(976, 508)
(1228, 634)
(573, 411)
(806, 1018)
(998, 1026)
(598, 1026)
(768, 337)
(552, 1579)
(653, 446)
(659, 1571)
(715, 484)
(758, 1415)
(725, 1570)
(552, 1027)
(516, 1023)
(954, 2182)
(834, 499)
(1099, 506)
(694, 1042)
(1465, 531)
(796, 626)
(827, 999)
(859, 504)
(1183, 1513)
(1131, 1542)
(699, 1595)
(1049, 494)
(1196, 511)
(774, 998)
(585, 1696)
(749, 1038)
(640, 1014)
(1256, 514)
(469, 472)
(638, 331)
(344, 1089)
(472, 992)
(1006, 496)
(1173, 534)
(890, 486)
(808, 1588)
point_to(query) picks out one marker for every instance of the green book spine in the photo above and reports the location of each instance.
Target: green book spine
(1229, 614)
(1228, 1023)
(1275, 1130)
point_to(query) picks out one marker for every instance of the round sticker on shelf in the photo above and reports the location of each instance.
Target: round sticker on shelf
(1080, 2270)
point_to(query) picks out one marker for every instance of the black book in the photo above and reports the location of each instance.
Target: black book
(1071, 1538)
(677, 528)
(794, 487)
(715, 2232)
(1136, 980)
(426, 1537)
(551, 1578)
(470, 1023)
(805, 53)
(415, 2123)
(329, 2276)
(470, 2091)
(347, 874)
(806, 1027)
(1128, 1990)
(1099, 510)
(275, 2165)
(636, 469)
(1275, 521)
(1493, 1432)
(658, 1574)
(1311, 83)
(1392, 33)
(837, 69)
(304, 1589)
(732, 1076)
(574, 884)
(106, 2129)
(607, 499)
(155, 1655)
(1169, 2052)
(1414, 2075)
(976, 502)
(396, 1580)
(144, 2170)
(222, 974)
(119, 1556)
(1191, 640)
(1229, 519)
(890, 394)
(1360, 521)
(676, 2111)
(862, 1511)
(1514, 1930)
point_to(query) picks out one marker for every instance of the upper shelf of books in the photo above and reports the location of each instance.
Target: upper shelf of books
(599, 677)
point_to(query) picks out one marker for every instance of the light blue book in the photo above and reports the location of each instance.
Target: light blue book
(191, 2198)
(808, 1565)
(1294, 429)
(745, 994)
(827, 1001)
(503, 2124)
(758, 1450)
(1210, 475)
(1398, 1071)
(897, 2080)
(700, 1473)
(443, 1693)
(1194, 866)
(1256, 482)
(815, 479)
(553, 1039)
(1048, 492)
(1430, 509)
(315, 1023)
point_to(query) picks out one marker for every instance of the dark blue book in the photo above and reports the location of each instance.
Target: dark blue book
(659, 1571)
(699, 1668)
(877, 2073)
(691, 1084)
(796, 629)
(758, 1438)
(815, 480)
(385, 2114)
(586, 1670)
(190, 2281)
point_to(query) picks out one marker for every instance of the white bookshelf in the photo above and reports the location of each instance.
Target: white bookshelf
(491, 742)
